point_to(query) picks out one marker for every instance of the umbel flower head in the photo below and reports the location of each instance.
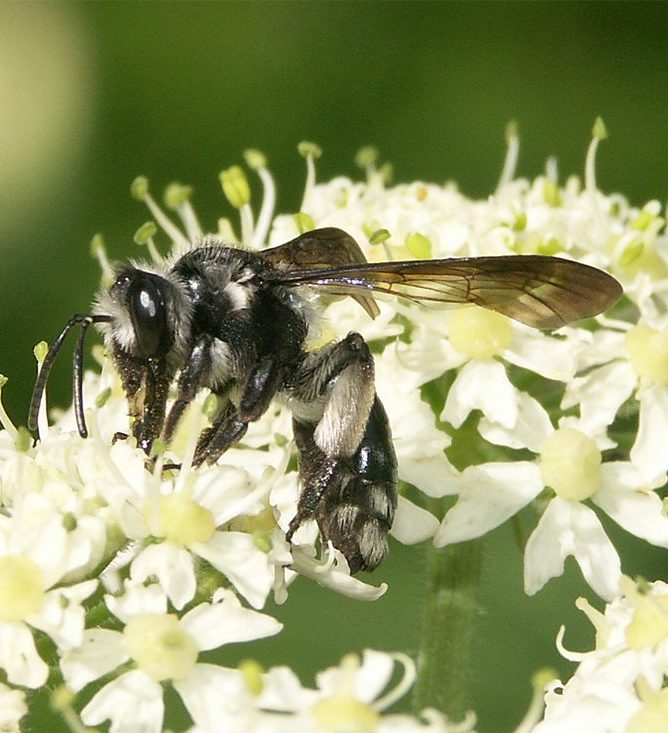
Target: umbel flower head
(564, 423)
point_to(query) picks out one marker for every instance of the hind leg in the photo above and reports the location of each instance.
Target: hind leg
(346, 458)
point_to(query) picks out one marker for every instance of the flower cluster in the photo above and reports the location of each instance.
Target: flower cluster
(619, 686)
(117, 572)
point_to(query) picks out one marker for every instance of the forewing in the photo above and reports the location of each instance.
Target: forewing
(325, 248)
(543, 292)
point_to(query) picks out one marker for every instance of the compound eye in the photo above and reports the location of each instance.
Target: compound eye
(149, 317)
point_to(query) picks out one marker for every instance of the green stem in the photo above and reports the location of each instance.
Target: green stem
(452, 609)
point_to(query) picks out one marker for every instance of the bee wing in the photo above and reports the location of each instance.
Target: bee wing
(325, 248)
(541, 291)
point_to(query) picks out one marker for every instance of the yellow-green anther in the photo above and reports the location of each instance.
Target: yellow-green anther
(210, 406)
(366, 157)
(235, 186)
(145, 232)
(542, 677)
(69, 521)
(251, 673)
(520, 223)
(631, 253)
(309, 150)
(3, 380)
(103, 397)
(642, 221)
(139, 188)
(303, 222)
(97, 245)
(23, 440)
(158, 447)
(418, 245)
(280, 440)
(551, 193)
(551, 247)
(512, 154)
(61, 698)
(599, 131)
(255, 159)
(386, 172)
(262, 541)
(379, 236)
(512, 131)
(40, 351)
(176, 194)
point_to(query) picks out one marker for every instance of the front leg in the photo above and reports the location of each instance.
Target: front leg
(146, 386)
(193, 374)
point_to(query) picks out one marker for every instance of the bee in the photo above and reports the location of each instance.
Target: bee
(236, 322)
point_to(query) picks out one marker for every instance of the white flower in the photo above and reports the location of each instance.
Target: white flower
(161, 647)
(36, 553)
(12, 708)
(634, 359)
(569, 463)
(618, 687)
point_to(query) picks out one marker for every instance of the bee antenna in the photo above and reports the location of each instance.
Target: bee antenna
(77, 371)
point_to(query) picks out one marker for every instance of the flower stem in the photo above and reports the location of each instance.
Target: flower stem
(452, 609)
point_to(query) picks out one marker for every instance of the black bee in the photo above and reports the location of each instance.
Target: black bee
(237, 322)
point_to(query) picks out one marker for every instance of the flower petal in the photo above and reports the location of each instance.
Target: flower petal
(133, 703)
(19, 657)
(530, 430)
(412, 524)
(570, 528)
(172, 565)
(626, 498)
(226, 621)
(490, 494)
(649, 451)
(481, 385)
(101, 651)
(237, 556)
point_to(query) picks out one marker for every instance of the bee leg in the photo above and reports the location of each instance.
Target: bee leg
(198, 365)
(227, 430)
(352, 499)
(146, 386)
(231, 424)
(347, 462)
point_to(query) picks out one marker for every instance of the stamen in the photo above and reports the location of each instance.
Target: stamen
(237, 191)
(258, 162)
(309, 151)
(566, 653)
(139, 190)
(40, 351)
(366, 158)
(144, 236)
(539, 681)
(99, 251)
(512, 154)
(402, 687)
(177, 197)
(599, 133)
(5, 420)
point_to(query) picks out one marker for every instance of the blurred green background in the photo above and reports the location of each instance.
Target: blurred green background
(94, 94)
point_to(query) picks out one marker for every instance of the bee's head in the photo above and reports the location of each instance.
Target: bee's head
(150, 313)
